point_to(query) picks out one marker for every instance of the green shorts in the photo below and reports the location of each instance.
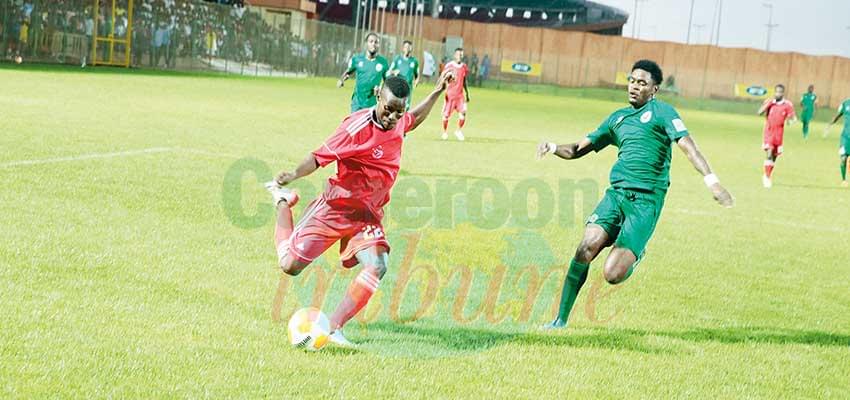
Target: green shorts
(629, 217)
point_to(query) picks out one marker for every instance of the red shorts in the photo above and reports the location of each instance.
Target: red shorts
(321, 226)
(452, 105)
(773, 140)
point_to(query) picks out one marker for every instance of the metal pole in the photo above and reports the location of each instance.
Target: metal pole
(719, 21)
(770, 24)
(356, 23)
(690, 22)
(634, 21)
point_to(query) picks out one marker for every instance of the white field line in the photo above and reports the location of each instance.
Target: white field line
(128, 153)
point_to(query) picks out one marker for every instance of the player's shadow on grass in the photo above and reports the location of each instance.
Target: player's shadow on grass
(462, 339)
(818, 187)
(745, 335)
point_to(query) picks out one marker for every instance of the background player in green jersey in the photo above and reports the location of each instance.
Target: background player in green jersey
(844, 149)
(407, 67)
(370, 69)
(809, 101)
(626, 217)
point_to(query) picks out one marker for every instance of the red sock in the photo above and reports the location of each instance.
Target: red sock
(358, 295)
(282, 231)
(768, 168)
(461, 122)
(445, 125)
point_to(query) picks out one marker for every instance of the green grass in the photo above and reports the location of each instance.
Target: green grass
(125, 276)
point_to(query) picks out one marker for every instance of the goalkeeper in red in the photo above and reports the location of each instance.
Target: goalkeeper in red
(644, 133)
(367, 149)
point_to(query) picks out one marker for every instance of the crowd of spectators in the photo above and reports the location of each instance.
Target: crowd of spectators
(166, 34)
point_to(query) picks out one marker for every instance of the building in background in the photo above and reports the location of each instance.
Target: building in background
(575, 15)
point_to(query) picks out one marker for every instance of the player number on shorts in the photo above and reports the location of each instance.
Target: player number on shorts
(372, 232)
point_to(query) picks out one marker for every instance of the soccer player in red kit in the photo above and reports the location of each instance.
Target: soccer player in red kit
(367, 149)
(457, 95)
(778, 110)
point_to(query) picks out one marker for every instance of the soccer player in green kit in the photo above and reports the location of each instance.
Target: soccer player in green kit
(370, 69)
(844, 150)
(626, 217)
(407, 67)
(808, 101)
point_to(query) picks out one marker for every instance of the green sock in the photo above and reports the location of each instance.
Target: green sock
(805, 129)
(576, 276)
(844, 168)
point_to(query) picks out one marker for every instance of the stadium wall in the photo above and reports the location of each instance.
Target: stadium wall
(579, 59)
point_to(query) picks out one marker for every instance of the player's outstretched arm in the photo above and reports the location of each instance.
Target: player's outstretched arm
(695, 157)
(421, 111)
(307, 167)
(834, 121)
(570, 151)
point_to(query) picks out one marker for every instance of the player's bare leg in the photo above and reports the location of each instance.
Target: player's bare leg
(284, 200)
(460, 122)
(374, 261)
(445, 134)
(619, 265)
(595, 239)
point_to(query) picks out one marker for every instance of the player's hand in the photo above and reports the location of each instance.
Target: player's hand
(340, 83)
(542, 150)
(445, 78)
(467, 99)
(284, 178)
(722, 196)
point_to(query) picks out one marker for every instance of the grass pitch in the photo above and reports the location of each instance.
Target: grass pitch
(137, 258)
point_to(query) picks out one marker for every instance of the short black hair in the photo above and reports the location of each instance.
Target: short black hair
(407, 42)
(459, 49)
(398, 87)
(366, 39)
(779, 85)
(651, 67)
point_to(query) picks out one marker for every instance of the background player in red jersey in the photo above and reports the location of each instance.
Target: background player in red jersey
(778, 110)
(457, 95)
(367, 150)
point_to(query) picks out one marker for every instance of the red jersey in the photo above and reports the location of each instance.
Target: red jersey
(777, 114)
(367, 159)
(455, 89)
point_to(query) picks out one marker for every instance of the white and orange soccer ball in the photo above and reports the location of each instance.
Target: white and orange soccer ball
(309, 329)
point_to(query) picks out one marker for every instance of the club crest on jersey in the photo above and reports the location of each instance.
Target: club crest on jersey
(379, 67)
(646, 117)
(377, 152)
(360, 64)
(412, 65)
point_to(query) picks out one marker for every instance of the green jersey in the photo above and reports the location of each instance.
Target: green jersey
(407, 67)
(644, 137)
(369, 75)
(844, 110)
(808, 101)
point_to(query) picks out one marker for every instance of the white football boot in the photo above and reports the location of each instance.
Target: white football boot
(280, 193)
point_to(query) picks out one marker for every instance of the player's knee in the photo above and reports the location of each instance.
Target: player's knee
(586, 252)
(290, 266)
(615, 274)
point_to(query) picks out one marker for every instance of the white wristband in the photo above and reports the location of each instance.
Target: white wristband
(551, 148)
(710, 180)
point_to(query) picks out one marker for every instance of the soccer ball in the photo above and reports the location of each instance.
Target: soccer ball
(309, 329)
(19, 59)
